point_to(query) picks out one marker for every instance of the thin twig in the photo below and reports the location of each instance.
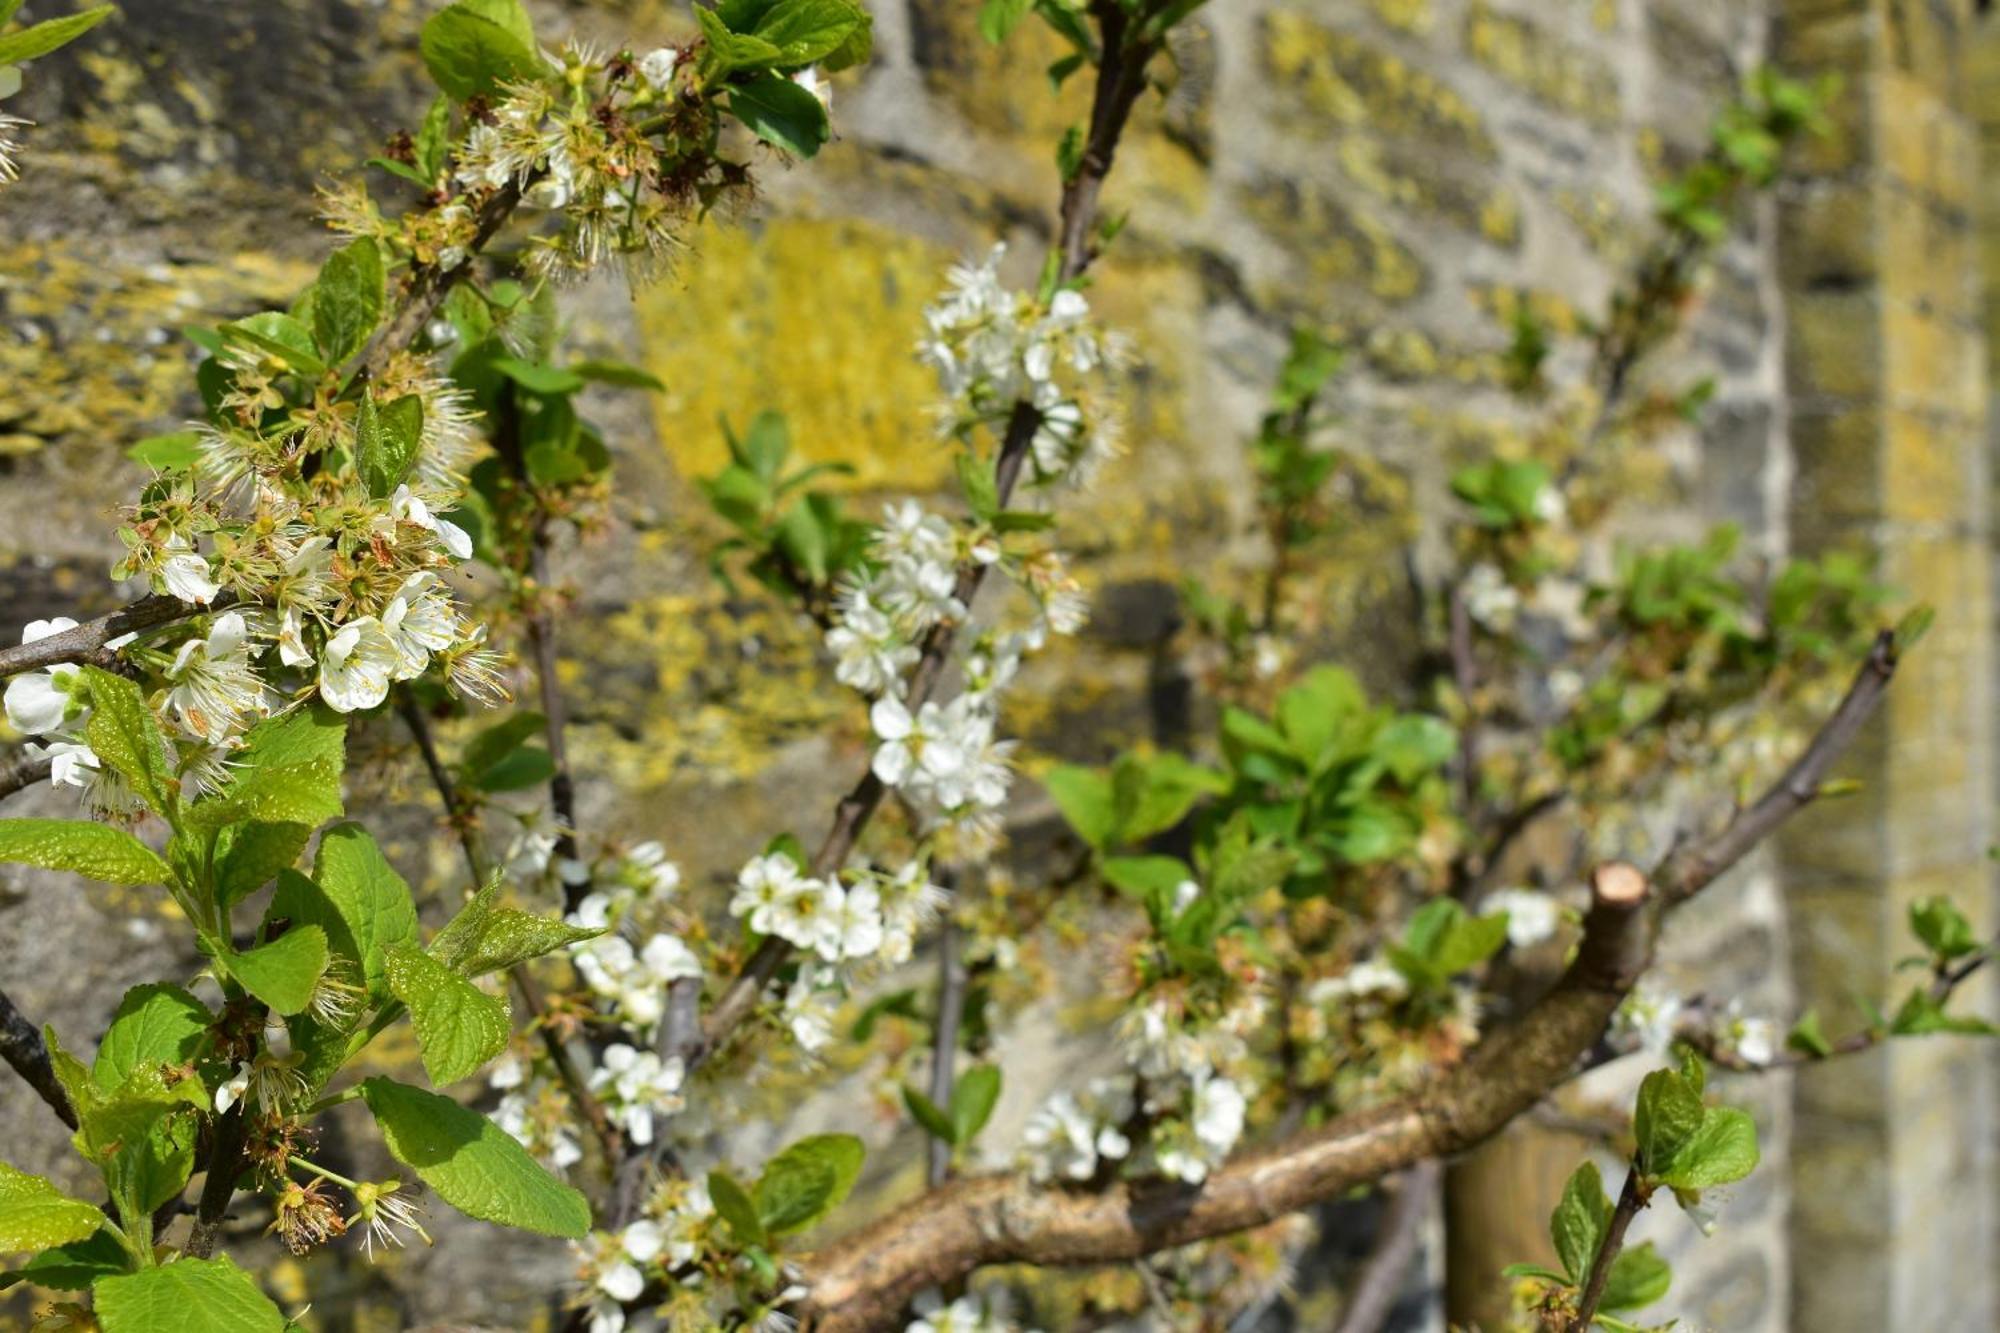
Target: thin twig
(22, 1047)
(1633, 1197)
(84, 645)
(555, 722)
(1397, 1244)
(21, 770)
(944, 1036)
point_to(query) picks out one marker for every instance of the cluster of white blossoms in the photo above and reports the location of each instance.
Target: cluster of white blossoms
(1074, 1132)
(636, 1087)
(856, 918)
(632, 983)
(45, 705)
(993, 347)
(616, 1268)
(536, 1111)
(967, 1314)
(1532, 916)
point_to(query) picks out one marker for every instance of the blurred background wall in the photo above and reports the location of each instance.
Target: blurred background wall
(1402, 173)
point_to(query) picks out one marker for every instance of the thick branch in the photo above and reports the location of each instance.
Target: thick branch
(865, 1279)
(22, 1047)
(84, 645)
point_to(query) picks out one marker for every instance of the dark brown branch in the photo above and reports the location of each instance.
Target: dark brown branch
(863, 1280)
(555, 726)
(1631, 1199)
(22, 1047)
(225, 1164)
(1381, 1278)
(21, 770)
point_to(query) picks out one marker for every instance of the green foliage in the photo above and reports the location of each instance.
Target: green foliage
(155, 1025)
(473, 1164)
(387, 439)
(973, 1098)
(1685, 1144)
(35, 1215)
(1504, 494)
(288, 771)
(347, 299)
(459, 1026)
(126, 737)
(1443, 940)
(84, 848)
(473, 47)
(39, 39)
(284, 972)
(72, 1267)
(356, 897)
(806, 1181)
(187, 1296)
(499, 758)
(798, 540)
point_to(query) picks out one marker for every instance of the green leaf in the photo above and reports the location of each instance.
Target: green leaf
(94, 850)
(288, 771)
(433, 140)
(72, 1267)
(474, 46)
(729, 51)
(781, 113)
(1942, 927)
(347, 299)
(186, 1296)
(1147, 878)
(1580, 1221)
(1415, 744)
(358, 899)
(472, 1163)
(278, 336)
(505, 937)
(155, 1025)
(999, 18)
(616, 373)
(459, 1026)
(926, 1112)
(1806, 1037)
(807, 1181)
(1535, 1271)
(973, 1100)
(35, 1215)
(386, 440)
(734, 1204)
(39, 39)
(125, 735)
(283, 973)
(1920, 1015)
(176, 451)
(250, 855)
(1085, 797)
(529, 766)
(1722, 1150)
(1668, 1115)
(535, 377)
(807, 31)
(1638, 1277)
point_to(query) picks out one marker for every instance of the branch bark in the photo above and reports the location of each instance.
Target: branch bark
(84, 645)
(1631, 1199)
(22, 1047)
(1381, 1278)
(21, 770)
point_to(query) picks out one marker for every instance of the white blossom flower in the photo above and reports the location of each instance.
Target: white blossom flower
(185, 573)
(657, 67)
(1531, 916)
(357, 665)
(910, 745)
(1649, 1016)
(636, 1085)
(215, 688)
(418, 621)
(870, 652)
(71, 763)
(815, 83)
(1489, 598)
(809, 915)
(1070, 1134)
(761, 885)
(408, 507)
(649, 862)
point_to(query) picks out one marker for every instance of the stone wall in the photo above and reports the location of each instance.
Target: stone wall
(1400, 172)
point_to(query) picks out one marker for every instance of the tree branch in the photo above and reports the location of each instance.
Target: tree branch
(863, 1280)
(21, 770)
(944, 1037)
(22, 1047)
(84, 645)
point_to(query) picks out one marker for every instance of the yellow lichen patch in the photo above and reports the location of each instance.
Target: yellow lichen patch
(93, 353)
(815, 319)
(1336, 246)
(1552, 70)
(1338, 77)
(986, 83)
(1549, 309)
(1414, 16)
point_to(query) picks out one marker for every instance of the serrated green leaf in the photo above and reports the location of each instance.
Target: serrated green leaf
(972, 1101)
(807, 1181)
(472, 1163)
(1086, 800)
(347, 299)
(506, 937)
(72, 1267)
(35, 1215)
(249, 856)
(125, 735)
(39, 39)
(459, 1026)
(176, 451)
(1722, 1150)
(284, 972)
(1668, 1114)
(155, 1025)
(1580, 1221)
(1534, 1271)
(433, 141)
(358, 899)
(186, 1296)
(277, 336)
(288, 771)
(83, 848)
(474, 46)
(387, 437)
(807, 31)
